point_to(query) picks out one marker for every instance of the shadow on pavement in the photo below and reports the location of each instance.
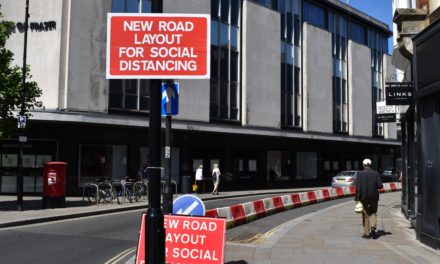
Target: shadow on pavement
(380, 233)
(237, 262)
(37, 205)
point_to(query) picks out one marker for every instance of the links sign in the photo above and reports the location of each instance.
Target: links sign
(158, 46)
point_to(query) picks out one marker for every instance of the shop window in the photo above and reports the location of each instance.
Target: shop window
(244, 169)
(348, 165)
(326, 165)
(309, 165)
(102, 162)
(356, 164)
(335, 165)
(175, 162)
(278, 166)
(212, 162)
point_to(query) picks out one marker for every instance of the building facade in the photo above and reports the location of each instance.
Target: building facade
(292, 93)
(418, 28)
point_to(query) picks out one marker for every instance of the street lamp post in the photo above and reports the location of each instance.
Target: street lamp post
(22, 113)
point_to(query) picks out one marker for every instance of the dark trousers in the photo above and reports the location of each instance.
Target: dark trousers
(199, 186)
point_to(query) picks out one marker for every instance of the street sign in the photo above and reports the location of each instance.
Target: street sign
(189, 240)
(189, 205)
(399, 93)
(158, 46)
(385, 118)
(21, 121)
(385, 113)
(383, 108)
(170, 99)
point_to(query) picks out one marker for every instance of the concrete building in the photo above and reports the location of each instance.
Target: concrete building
(416, 54)
(292, 94)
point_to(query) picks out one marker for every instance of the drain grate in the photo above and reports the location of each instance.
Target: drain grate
(246, 237)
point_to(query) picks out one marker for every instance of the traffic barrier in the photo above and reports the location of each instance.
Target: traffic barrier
(312, 197)
(237, 212)
(259, 208)
(340, 192)
(304, 198)
(326, 195)
(287, 202)
(250, 211)
(211, 213)
(333, 193)
(278, 204)
(269, 206)
(225, 212)
(295, 200)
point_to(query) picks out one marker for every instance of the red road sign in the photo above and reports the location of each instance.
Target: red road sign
(189, 239)
(158, 46)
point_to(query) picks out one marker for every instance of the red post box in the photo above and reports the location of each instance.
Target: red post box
(54, 184)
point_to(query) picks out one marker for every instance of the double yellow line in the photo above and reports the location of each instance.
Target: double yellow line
(116, 259)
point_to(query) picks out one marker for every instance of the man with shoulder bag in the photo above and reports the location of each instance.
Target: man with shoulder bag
(368, 183)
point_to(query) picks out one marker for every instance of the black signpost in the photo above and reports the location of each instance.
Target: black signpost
(155, 231)
(169, 109)
(22, 118)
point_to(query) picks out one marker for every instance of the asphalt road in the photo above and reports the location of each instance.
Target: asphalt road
(99, 239)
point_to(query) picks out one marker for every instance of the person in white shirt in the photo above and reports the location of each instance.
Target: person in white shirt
(215, 178)
(199, 178)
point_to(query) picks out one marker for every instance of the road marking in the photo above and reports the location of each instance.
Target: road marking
(189, 209)
(121, 256)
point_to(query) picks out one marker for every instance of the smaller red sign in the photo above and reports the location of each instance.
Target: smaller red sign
(189, 239)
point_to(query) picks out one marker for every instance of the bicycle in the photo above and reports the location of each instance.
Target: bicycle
(140, 190)
(127, 191)
(106, 192)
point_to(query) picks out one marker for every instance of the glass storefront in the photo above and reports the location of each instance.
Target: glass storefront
(307, 168)
(102, 162)
(35, 154)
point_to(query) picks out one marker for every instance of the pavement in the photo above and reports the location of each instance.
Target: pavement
(331, 235)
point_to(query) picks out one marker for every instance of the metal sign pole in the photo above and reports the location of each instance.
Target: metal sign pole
(154, 231)
(168, 193)
(22, 110)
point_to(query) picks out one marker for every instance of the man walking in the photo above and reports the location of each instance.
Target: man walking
(368, 183)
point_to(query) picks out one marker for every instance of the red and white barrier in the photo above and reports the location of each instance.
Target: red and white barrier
(250, 211)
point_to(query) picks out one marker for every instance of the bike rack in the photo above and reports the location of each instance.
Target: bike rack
(109, 185)
(139, 185)
(119, 184)
(90, 185)
(172, 182)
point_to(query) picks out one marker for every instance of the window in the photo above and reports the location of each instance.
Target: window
(267, 3)
(338, 28)
(278, 167)
(102, 161)
(376, 43)
(291, 104)
(357, 33)
(309, 165)
(225, 60)
(315, 15)
(131, 94)
(131, 6)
